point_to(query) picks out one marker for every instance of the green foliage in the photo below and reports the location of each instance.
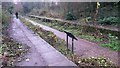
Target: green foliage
(78, 31)
(46, 35)
(114, 43)
(109, 20)
(10, 47)
(75, 29)
(70, 16)
(91, 38)
(5, 19)
(60, 45)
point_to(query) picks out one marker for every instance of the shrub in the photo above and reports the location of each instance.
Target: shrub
(5, 18)
(5, 21)
(70, 16)
(109, 20)
(113, 43)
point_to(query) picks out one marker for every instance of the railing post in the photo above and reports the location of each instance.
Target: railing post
(73, 37)
(73, 45)
(67, 41)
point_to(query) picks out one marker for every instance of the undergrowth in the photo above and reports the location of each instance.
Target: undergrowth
(85, 33)
(11, 50)
(74, 29)
(114, 43)
(60, 45)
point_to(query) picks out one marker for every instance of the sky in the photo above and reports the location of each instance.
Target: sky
(15, 1)
(56, 1)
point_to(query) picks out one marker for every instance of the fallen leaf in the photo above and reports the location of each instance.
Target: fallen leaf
(27, 60)
(6, 54)
(0, 56)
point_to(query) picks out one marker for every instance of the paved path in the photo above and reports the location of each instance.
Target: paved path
(83, 47)
(41, 53)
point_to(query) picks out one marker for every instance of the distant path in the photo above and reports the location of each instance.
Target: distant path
(41, 53)
(77, 22)
(83, 47)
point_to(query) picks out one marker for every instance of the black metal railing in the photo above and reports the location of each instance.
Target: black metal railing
(71, 36)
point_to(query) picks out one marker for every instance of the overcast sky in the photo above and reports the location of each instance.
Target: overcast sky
(62, 0)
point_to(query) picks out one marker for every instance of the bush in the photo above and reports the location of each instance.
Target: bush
(113, 43)
(109, 20)
(5, 18)
(5, 21)
(70, 16)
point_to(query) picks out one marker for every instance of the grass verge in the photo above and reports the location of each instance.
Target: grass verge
(85, 33)
(61, 47)
(10, 50)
